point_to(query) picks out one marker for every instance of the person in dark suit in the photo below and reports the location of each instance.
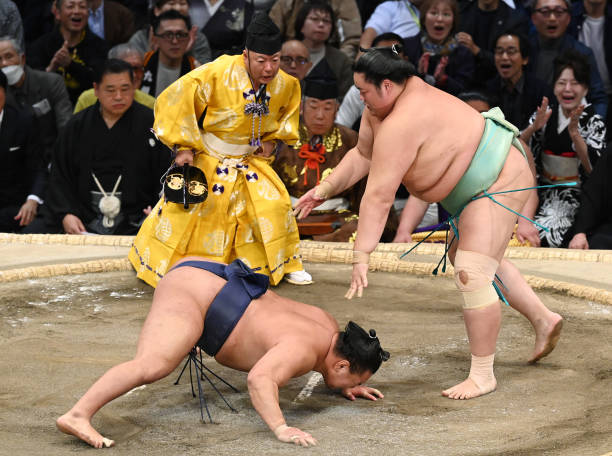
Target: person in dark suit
(111, 21)
(22, 175)
(38, 91)
(481, 23)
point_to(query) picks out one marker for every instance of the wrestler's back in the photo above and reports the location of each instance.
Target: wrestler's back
(271, 320)
(445, 132)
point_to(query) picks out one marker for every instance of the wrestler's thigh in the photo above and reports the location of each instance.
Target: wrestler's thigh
(171, 329)
(485, 226)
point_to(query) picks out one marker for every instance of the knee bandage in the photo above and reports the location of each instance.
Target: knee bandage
(474, 274)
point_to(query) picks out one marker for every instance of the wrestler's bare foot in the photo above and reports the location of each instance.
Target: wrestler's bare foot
(468, 389)
(82, 428)
(547, 335)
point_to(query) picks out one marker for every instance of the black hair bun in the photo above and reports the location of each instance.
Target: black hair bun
(372, 333)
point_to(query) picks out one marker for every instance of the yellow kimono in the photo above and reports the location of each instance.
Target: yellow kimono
(247, 214)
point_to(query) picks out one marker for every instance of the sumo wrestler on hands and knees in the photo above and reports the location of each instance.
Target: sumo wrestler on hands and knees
(229, 312)
(433, 143)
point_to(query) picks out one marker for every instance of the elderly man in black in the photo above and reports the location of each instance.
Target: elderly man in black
(107, 165)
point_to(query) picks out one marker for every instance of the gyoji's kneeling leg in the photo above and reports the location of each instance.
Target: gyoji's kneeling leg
(474, 274)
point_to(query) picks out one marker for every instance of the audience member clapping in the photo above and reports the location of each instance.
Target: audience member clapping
(567, 140)
(551, 19)
(438, 56)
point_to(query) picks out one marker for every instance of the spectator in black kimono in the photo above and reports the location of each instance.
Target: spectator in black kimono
(22, 175)
(197, 45)
(518, 93)
(438, 56)
(106, 168)
(593, 225)
(170, 61)
(70, 49)
(566, 141)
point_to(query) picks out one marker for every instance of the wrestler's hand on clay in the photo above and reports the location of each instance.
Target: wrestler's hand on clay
(307, 203)
(362, 391)
(527, 232)
(359, 281)
(288, 434)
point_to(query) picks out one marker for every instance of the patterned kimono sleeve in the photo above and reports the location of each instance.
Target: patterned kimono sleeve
(593, 129)
(178, 110)
(289, 120)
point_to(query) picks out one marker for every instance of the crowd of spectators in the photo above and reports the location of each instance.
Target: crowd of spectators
(79, 80)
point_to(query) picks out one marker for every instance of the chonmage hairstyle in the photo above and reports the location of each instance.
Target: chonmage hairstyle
(361, 349)
(378, 64)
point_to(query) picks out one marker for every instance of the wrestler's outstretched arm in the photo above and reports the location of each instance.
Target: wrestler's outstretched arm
(353, 167)
(280, 364)
(393, 154)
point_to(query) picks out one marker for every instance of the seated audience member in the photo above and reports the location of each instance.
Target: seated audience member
(224, 23)
(10, 22)
(170, 61)
(593, 225)
(41, 92)
(22, 176)
(352, 106)
(591, 24)
(314, 24)
(111, 21)
(345, 34)
(551, 19)
(319, 149)
(106, 168)
(399, 17)
(70, 49)
(130, 54)
(197, 45)
(482, 21)
(438, 56)
(567, 141)
(519, 93)
(295, 59)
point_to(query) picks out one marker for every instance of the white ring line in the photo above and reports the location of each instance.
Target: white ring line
(313, 381)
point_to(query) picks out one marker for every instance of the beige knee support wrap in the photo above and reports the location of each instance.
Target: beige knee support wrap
(474, 274)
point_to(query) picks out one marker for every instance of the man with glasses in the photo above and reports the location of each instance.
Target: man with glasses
(295, 59)
(551, 19)
(481, 22)
(132, 55)
(170, 61)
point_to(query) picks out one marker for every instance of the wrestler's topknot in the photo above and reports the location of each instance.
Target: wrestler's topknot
(362, 349)
(380, 63)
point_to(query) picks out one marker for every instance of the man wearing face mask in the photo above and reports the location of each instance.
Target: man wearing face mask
(41, 92)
